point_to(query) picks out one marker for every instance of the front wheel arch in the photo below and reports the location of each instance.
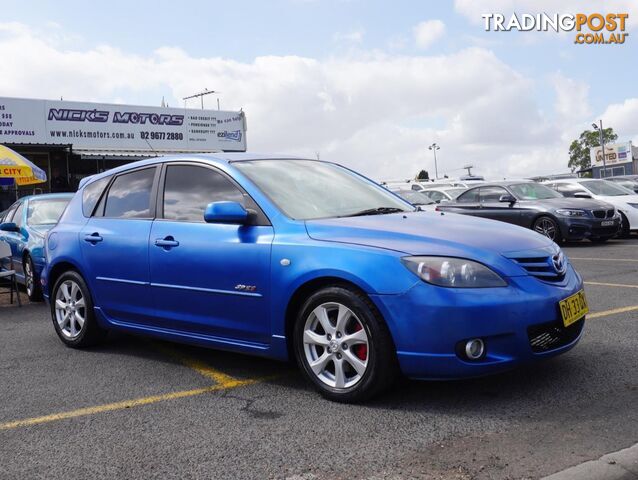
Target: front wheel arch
(303, 292)
(559, 233)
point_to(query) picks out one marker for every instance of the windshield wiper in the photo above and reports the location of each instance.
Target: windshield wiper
(376, 211)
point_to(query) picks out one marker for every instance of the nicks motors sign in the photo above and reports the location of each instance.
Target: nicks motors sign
(119, 127)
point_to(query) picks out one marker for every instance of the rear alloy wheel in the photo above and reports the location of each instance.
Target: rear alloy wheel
(547, 226)
(31, 281)
(343, 345)
(72, 312)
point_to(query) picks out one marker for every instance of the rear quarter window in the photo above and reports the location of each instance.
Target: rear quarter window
(91, 195)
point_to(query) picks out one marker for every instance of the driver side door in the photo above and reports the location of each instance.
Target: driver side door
(209, 278)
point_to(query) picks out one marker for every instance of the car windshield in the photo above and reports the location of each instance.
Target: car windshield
(415, 197)
(46, 212)
(454, 192)
(533, 191)
(307, 189)
(603, 187)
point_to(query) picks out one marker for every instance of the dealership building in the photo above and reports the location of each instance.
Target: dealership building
(71, 140)
(620, 159)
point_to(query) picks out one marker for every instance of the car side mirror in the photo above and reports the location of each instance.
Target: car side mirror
(507, 199)
(9, 227)
(226, 212)
(582, 195)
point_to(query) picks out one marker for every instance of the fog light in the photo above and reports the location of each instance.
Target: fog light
(474, 349)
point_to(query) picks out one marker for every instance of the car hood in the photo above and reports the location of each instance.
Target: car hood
(433, 233)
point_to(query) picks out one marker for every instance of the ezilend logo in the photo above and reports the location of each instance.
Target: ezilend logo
(235, 136)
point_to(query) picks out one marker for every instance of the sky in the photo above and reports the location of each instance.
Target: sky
(369, 84)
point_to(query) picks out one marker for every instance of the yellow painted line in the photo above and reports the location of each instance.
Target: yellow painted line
(109, 407)
(200, 367)
(605, 259)
(602, 284)
(613, 311)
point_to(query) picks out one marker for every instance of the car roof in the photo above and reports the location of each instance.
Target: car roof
(212, 158)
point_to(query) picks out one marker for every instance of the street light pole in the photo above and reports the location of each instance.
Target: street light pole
(602, 144)
(434, 147)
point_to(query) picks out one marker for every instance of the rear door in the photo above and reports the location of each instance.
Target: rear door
(114, 244)
(209, 278)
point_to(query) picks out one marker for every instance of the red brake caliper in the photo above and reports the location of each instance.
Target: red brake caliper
(360, 350)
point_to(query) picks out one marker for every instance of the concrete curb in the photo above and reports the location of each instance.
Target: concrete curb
(620, 465)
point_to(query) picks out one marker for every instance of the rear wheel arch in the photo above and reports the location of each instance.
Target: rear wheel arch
(58, 269)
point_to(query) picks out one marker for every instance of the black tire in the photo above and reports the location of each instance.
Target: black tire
(90, 333)
(31, 281)
(544, 225)
(625, 231)
(382, 366)
(599, 240)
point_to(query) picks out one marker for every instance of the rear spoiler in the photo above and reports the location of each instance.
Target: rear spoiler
(85, 180)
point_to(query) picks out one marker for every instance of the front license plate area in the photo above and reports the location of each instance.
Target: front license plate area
(573, 308)
(607, 223)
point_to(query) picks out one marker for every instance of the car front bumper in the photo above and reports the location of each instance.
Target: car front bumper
(428, 324)
(582, 228)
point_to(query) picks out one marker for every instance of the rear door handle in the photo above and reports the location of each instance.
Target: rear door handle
(166, 242)
(93, 238)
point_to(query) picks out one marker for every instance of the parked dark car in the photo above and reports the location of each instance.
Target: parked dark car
(535, 206)
(628, 181)
(23, 226)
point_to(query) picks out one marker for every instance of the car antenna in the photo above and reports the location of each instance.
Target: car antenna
(150, 146)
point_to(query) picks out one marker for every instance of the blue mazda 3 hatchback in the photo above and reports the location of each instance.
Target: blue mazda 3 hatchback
(292, 258)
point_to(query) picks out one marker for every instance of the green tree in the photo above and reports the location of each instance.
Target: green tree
(579, 158)
(423, 175)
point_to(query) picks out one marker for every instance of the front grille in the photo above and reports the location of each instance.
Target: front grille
(553, 335)
(603, 213)
(541, 267)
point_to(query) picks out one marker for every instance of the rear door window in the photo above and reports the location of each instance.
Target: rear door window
(471, 196)
(491, 194)
(130, 195)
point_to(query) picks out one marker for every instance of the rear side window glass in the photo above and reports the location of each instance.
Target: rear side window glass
(130, 195)
(92, 194)
(492, 194)
(189, 188)
(17, 216)
(471, 196)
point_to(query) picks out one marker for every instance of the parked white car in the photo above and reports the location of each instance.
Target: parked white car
(416, 198)
(444, 194)
(625, 201)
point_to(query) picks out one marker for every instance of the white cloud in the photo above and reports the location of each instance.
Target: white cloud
(374, 112)
(353, 36)
(623, 118)
(428, 32)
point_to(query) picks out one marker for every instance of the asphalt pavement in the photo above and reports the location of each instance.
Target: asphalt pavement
(138, 408)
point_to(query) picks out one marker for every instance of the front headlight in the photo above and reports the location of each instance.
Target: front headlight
(453, 272)
(569, 212)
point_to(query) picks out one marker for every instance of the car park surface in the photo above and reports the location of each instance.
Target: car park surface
(139, 408)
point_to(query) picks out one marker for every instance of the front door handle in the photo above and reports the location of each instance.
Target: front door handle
(166, 242)
(93, 238)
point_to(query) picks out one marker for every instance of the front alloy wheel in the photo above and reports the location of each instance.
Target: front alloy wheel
(31, 281)
(548, 227)
(343, 345)
(336, 345)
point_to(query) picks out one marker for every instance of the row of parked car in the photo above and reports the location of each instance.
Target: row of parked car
(567, 209)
